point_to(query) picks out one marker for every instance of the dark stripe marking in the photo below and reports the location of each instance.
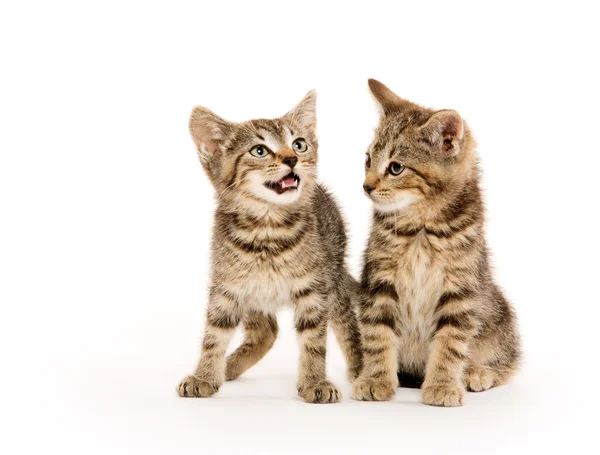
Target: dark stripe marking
(272, 246)
(383, 288)
(386, 319)
(235, 169)
(319, 351)
(374, 351)
(455, 353)
(308, 324)
(459, 321)
(227, 321)
(462, 294)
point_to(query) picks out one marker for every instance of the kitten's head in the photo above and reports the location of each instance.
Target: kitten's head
(417, 154)
(259, 161)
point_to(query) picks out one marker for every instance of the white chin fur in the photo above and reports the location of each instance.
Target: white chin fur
(261, 191)
(399, 205)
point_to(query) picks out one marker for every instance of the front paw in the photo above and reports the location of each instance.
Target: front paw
(193, 387)
(322, 392)
(365, 389)
(448, 395)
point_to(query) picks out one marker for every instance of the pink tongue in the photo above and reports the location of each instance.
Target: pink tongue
(288, 182)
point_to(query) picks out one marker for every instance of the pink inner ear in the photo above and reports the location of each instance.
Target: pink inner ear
(447, 145)
(203, 135)
(213, 148)
(453, 129)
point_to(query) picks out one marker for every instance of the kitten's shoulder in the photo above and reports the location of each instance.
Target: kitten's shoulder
(328, 212)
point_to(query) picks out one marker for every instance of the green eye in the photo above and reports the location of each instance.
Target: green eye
(300, 146)
(396, 168)
(259, 151)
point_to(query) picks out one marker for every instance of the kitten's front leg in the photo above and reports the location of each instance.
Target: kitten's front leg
(443, 385)
(378, 319)
(311, 317)
(223, 317)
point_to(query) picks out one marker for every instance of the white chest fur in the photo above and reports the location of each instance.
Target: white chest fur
(419, 279)
(262, 289)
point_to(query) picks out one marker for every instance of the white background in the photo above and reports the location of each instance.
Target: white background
(106, 214)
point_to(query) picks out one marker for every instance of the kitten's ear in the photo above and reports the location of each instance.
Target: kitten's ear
(388, 100)
(443, 132)
(208, 132)
(304, 113)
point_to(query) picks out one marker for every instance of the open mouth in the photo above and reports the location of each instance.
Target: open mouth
(288, 183)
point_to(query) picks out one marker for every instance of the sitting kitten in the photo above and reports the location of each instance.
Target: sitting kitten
(432, 310)
(279, 239)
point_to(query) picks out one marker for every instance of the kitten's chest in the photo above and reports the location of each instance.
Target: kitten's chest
(419, 271)
(265, 289)
(266, 279)
(419, 280)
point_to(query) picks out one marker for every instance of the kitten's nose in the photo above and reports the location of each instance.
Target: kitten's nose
(368, 188)
(290, 161)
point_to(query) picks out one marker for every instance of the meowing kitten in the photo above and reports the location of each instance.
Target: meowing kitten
(433, 312)
(278, 239)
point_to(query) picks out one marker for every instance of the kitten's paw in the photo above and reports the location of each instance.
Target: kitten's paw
(365, 389)
(232, 371)
(193, 387)
(443, 395)
(478, 379)
(323, 392)
(231, 375)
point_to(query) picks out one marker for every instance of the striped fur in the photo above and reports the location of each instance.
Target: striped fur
(432, 311)
(271, 250)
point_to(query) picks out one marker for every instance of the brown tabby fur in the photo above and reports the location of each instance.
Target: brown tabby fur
(433, 312)
(270, 250)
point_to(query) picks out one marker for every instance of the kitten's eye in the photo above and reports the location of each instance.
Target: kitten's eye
(259, 151)
(300, 146)
(368, 161)
(396, 168)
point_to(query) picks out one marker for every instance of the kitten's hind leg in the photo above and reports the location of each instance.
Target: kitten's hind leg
(344, 323)
(495, 357)
(478, 378)
(224, 315)
(260, 332)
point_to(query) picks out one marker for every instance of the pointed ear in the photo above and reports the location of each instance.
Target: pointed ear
(208, 132)
(443, 132)
(384, 96)
(388, 100)
(304, 113)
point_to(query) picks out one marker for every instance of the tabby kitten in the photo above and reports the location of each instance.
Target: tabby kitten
(278, 239)
(433, 312)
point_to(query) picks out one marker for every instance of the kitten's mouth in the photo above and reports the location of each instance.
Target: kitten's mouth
(288, 183)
